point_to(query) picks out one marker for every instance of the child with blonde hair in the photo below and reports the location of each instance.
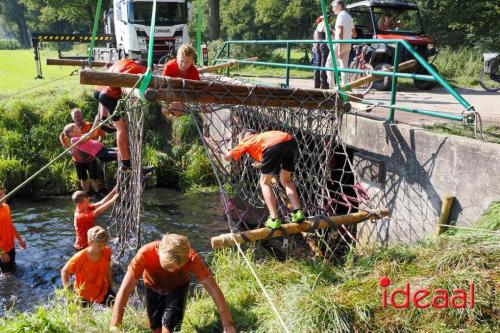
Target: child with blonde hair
(92, 270)
(166, 267)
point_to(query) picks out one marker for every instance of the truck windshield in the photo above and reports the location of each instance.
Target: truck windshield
(167, 13)
(397, 20)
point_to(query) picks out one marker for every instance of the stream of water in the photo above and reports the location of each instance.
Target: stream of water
(47, 226)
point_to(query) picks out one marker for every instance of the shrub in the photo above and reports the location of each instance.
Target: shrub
(9, 44)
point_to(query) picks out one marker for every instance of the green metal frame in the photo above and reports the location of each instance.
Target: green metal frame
(399, 45)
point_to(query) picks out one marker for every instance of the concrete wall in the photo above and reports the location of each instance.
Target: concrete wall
(409, 170)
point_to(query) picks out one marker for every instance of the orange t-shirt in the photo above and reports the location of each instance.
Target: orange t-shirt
(80, 156)
(255, 144)
(128, 66)
(83, 222)
(147, 263)
(6, 229)
(172, 69)
(90, 276)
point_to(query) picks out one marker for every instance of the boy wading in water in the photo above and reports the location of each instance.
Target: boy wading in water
(166, 267)
(86, 213)
(108, 98)
(92, 270)
(8, 235)
(277, 151)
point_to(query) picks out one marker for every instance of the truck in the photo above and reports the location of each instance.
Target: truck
(396, 19)
(130, 22)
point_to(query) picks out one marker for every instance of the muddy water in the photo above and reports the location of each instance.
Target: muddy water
(47, 227)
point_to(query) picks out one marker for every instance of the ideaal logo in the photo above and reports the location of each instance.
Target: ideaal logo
(423, 298)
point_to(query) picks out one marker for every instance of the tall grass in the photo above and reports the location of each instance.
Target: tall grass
(461, 67)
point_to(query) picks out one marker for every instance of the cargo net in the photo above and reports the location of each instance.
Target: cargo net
(124, 224)
(323, 175)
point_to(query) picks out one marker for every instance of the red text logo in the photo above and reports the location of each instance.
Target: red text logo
(423, 298)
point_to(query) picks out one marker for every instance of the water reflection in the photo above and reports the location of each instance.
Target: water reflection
(47, 227)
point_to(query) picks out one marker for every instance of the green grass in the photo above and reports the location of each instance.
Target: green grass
(18, 72)
(320, 297)
(460, 67)
(491, 133)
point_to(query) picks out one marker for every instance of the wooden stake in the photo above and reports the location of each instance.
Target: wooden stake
(407, 65)
(227, 240)
(445, 213)
(75, 62)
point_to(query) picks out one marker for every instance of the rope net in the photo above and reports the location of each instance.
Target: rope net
(324, 175)
(125, 221)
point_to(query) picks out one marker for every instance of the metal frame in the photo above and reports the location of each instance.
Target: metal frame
(399, 45)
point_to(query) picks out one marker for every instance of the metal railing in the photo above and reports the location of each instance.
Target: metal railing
(466, 114)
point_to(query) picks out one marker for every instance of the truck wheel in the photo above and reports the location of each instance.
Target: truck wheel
(384, 84)
(424, 85)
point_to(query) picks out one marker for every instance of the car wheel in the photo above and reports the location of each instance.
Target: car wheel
(385, 83)
(424, 85)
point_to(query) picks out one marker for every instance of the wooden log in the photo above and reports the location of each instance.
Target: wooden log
(445, 213)
(75, 62)
(404, 66)
(227, 240)
(209, 92)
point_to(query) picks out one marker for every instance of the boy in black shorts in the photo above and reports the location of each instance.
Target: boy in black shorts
(277, 151)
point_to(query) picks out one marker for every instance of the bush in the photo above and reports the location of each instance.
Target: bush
(198, 170)
(460, 66)
(184, 130)
(9, 44)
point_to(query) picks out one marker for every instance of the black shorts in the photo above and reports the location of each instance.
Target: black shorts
(109, 299)
(280, 156)
(109, 102)
(10, 266)
(84, 170)
(107, 154)
(166, 310)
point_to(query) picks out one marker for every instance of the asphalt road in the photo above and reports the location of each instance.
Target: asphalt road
(438, 99)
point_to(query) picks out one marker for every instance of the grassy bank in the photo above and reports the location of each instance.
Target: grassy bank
(319, 297)
(490, 133)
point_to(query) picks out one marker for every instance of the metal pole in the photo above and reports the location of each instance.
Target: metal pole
(228, 57)
(287, 70)
(330, 44)
(394, 83)
(94, 31)
(198, 34)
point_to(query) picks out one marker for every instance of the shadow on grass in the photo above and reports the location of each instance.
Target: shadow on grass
(244, 321)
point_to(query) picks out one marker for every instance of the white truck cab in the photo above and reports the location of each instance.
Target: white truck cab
(130, 22)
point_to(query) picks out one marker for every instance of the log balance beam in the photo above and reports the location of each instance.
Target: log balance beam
(212, 92)
(226, 240)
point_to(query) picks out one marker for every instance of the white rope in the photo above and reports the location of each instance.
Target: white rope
(261, 285)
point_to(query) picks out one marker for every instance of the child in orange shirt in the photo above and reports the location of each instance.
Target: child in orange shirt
(182, 67)
(166, 267)
(86, 213)
(92, 269)
(8, 234)
(277, 152)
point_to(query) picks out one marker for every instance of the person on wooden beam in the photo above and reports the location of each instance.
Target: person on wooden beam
(277, 152)
(181, 67)
(108, 98)
(166, 267)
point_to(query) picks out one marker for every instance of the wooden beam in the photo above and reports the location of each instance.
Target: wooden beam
(404, 66)
(445, 213)
(230, 63)
(227, 240)
(209, 92)
(75, 62)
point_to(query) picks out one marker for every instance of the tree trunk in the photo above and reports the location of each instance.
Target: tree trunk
(213, 19)
(23, 33)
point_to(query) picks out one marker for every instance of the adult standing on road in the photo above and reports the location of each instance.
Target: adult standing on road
(86, 165)
(344, 29)
(322, 52)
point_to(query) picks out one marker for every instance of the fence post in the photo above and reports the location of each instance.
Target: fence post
(394, 83)
(287, 71)
(228, 57)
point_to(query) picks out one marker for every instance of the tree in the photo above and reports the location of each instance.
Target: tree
(213, 19)
(14, 14)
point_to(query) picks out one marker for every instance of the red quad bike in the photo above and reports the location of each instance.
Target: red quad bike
(375, 19)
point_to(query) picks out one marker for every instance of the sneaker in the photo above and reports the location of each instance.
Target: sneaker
(325, 86)
(298, 216)
(273, 224)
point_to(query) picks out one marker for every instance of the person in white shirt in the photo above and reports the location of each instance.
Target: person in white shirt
(344, 29)
(322, 52)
